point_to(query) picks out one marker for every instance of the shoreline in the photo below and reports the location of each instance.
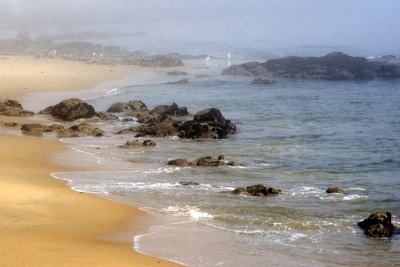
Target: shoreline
(43, 220)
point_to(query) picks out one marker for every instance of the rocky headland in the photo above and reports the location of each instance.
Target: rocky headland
(333, 66)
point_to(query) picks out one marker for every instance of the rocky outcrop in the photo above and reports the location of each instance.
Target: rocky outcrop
(13, 108)
(336, 190)
(333, 66)
(70, 110)
(378, 224)
(262, 81)
(162, 129)
(257, 190)
(207, 161)
(208, 123)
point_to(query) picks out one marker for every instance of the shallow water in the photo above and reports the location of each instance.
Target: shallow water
(300, 136)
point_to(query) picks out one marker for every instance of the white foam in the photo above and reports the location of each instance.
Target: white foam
(112, 92)
(354, 197)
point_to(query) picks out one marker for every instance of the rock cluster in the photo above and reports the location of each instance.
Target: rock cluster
(135, 143)
(378, 224)
(166, 120)
(13, 108)
(257, 190)
(333, 66)
(83, 129)
(207, 161)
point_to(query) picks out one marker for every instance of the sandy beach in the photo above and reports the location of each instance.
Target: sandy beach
(43, 222)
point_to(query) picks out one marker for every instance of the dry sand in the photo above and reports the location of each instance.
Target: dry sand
(42, 221)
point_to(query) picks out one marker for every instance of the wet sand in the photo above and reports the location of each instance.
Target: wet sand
(42, 221)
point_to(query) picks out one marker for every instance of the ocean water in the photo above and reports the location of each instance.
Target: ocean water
(299, 136)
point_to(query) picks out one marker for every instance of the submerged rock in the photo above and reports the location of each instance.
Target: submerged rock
(262, 81)
(257, 190)
(207, 161)
(179, 162)
(332, 190)
(378, 224)
(188, 183)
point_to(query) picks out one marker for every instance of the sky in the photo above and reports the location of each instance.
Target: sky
(366, 24)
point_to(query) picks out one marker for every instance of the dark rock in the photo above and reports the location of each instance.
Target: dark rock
(169, 110)
(209, 161)
(83, 129)
(13, 109)
(209, 115)
(239, 191)
(339, 190)
(378, 224)
(177, 72)
(261, 190)
(188, 183)
(182, 81)
(137, 105)
(148, 143)
(161, 129)
(333, 66)
(262, 81)
(130, 144)
(70, 109)
(119, 108)
(179, 162)
(208, 123)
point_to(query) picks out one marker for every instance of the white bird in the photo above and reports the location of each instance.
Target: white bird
(228, 56)
(207, 58)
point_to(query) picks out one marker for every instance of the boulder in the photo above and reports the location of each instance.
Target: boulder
(378, 224)
(13, 108)
(257, 190)
(339, 190)
(161, 129)
(106, 116)
(179, 162)
(262, 81)
(70, 110)
(208, 123)
(119, 108)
